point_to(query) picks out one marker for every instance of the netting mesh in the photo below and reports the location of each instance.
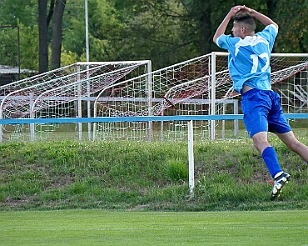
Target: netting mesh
(61, 92)
(199, 86)
(187, 89)
(40, 78)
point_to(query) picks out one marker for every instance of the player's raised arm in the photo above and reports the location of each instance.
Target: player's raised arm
(260, 17)
(223, 25)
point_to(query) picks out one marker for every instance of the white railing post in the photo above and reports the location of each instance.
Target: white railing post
(79, 104)
(223, 122)
(1, 126)
(95, 123)
(149, 90)
(213, 93)
(191, 164)
(32, 125)
(236, 127)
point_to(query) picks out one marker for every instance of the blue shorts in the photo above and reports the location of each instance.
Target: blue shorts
(262, 112)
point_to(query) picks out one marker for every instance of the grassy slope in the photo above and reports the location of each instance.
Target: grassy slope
(230, 175)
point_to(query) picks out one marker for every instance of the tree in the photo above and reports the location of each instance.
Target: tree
(157, 30)
(56, 11)
(292, 18)
(43, 36)
(57, 33)
(165, 31)
(200, 13)
(13, 12)
(105, 31)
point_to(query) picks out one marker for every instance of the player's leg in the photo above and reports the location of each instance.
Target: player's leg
(271, 161)
(293, 144)
(278, 124)
(267, 152)
(256, 106)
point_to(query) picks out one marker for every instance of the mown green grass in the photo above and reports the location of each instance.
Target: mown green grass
(229, 175)
(99, 227)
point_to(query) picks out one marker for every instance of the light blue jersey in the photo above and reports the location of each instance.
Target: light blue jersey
(249, 58)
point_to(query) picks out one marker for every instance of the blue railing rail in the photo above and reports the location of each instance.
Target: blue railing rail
(136, 119)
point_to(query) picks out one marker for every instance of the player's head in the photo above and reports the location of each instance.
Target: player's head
(244, 24)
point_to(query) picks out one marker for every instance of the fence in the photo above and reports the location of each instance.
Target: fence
(200, 86)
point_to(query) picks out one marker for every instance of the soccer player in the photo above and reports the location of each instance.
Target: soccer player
(249, 68)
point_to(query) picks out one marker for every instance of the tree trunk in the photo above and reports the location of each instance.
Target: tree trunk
(205, 38)
(270, 8)
(43, 36)
(57, 33)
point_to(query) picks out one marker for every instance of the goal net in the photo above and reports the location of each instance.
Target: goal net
(199, 86)
(61, 93)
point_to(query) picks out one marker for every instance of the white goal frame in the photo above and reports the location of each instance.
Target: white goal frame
(211, 86)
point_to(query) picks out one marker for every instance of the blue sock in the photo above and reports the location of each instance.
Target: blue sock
(270, 158)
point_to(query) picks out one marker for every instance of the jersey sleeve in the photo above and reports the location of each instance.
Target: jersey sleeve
(227, 42)
(223, 41)
(269, 33)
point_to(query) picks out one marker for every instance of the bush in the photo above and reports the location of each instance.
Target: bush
(176, 170)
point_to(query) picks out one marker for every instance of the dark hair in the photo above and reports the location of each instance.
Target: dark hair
(245, 19)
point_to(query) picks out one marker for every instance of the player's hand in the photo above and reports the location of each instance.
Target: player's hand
(236, 9)
(247, 9)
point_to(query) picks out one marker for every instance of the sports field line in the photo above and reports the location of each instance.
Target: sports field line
(99, 227)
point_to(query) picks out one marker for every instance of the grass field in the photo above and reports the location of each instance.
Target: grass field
(100, 227)
(132, 193)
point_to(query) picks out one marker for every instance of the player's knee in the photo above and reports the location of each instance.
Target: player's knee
(260, 141)
(260, 145)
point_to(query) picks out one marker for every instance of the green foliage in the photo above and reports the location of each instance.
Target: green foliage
(15, 12)
(159, 31)
(104, 30)
(165, 32)
(292, 18)
(176, 170)
(69, 57)
(9, 46)
(28, 46)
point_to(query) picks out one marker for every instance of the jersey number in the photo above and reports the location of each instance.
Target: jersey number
(255, 62)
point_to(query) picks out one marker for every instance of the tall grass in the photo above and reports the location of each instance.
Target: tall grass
(230, 175)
